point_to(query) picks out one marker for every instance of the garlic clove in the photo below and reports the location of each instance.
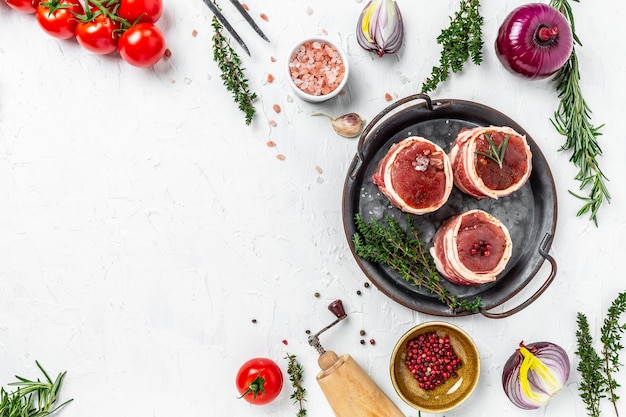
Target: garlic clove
(348, 125)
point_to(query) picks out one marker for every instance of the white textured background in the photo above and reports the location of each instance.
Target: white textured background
(143, 225)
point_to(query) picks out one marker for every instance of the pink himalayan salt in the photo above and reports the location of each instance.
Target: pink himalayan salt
(316, 68)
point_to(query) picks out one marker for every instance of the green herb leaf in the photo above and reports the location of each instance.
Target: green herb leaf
(32, 398)
(232, 75)
(295, 371)
(460, 41)
(496, 152)
(405, 253)
(572, 119)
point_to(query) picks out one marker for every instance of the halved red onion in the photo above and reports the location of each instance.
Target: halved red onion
(380, 28)
(535, 373)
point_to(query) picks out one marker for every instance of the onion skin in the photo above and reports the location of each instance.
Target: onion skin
(380, 28)
(520, 47)
(535, 373)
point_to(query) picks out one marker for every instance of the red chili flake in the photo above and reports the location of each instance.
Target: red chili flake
(264, 17)
(194, 33)
(245, 6)
(273, 58)
(285, 342)
(280, 157)
(388, 97)
(276, 108)
(318, 169)
(270, 143)
(270, 78)
(273, 123)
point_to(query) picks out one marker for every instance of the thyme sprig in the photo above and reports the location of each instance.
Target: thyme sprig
(590, 364)
(32, 398)
(232, 75)
(461, 41)
(404, 252)
(572, 119)
(496, 152)
(295, 371)
(598, 370)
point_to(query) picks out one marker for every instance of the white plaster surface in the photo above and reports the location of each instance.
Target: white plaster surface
(143, 225)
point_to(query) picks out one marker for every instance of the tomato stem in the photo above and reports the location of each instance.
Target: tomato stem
(255, 387)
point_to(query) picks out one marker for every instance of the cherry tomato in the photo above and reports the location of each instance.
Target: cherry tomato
(24, 6)
(56, 17)
(259, 381)
(98, 34)
(149, 11)
(142, 45)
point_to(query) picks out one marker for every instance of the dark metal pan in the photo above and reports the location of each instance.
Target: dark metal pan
(530, 213)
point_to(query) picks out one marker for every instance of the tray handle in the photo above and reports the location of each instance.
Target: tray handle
(366, 131)
(545, 243)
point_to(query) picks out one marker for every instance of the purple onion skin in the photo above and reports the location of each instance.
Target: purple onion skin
(520, 49)
(547, 352)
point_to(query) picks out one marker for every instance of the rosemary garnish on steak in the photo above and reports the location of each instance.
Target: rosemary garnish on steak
(496, 152)
(404, 252)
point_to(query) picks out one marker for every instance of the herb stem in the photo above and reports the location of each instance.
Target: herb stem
(232, 75)
(295, 371)
(572, 119)
(460, 41)
(405, 253)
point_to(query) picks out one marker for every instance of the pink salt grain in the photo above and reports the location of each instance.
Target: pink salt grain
(316, 68)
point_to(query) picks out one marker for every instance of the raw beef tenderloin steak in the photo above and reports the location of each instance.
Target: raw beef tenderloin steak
(471, 248)
(474, 157)
(415, 175)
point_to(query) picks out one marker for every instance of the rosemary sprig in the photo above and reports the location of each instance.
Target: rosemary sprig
(295, 371)
(405, 253)
(496, 152)
(572, 119)
(232, 75)
(32, 398)
(598, 370)
(460, 41)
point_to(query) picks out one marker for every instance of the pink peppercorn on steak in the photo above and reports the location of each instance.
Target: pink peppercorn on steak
(471, 248)
(416, 175)
(490, 162)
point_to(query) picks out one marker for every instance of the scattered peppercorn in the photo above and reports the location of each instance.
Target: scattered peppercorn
(366, 285)
(316, 295)
(358, 292)
(285, 342)
(372, 342)
(307, 331)
(362, 341)
(362, 332)
(253, 320)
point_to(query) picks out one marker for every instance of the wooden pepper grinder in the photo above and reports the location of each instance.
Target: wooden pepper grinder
(348, 389)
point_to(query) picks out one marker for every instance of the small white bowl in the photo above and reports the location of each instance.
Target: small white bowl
(312, 96)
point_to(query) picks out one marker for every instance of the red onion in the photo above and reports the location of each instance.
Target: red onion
(534, 373)
(535, 40)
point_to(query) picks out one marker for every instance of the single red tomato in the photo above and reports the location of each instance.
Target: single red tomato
(144, 11)
(259, 381)
(98, 35)
(142, 45)
(56, 17)
(24, 6)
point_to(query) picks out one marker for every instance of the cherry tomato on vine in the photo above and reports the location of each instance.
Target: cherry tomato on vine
(24, 6)
(259, 381)
(56, 17)
(142, 45)
(98, 34)
(149, 11)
